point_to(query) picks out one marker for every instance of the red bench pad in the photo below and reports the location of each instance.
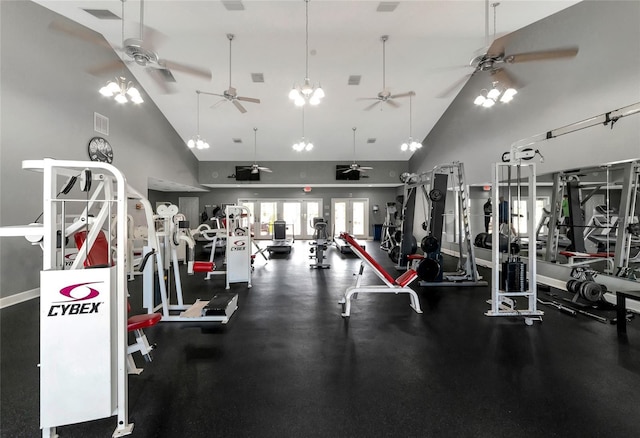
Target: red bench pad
(351, 241)
(203, 266)
(585, 255)
(138, 322)
(406, 278)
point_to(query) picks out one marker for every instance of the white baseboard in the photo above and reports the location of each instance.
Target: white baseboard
(19, 297)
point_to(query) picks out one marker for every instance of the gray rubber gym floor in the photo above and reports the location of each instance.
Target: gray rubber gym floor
(287, 365)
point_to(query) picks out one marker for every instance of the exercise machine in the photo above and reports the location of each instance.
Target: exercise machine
(281, 243)
(387, 240)
(391, 285)
(319, 244)
(83, 312)
(512, 277)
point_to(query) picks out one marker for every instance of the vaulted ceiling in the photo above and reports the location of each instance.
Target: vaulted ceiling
(429, 46)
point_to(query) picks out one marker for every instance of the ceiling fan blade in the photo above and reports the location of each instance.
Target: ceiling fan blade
(220, 102)
(239, 106)
(365, 168)
(368, 98)
(265, 169)
(108, 67)
(392, 103)
(505, 78)
(77, 31)
(542, 55)
(254, 170)
(455, 86)
(407, 94)
(184, 68)
(248, 99)
(372, 105)
(497, 46)
(160, 79)
(348, 170)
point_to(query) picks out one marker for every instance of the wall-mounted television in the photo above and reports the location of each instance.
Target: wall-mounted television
(354, 175)
(244, 174)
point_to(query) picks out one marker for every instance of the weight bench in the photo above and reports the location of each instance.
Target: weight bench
(391, 285)
(583, 258)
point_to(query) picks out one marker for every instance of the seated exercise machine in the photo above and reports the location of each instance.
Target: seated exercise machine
(391, 285)
(174, 230)
(319, 244)
(83, 312)
(281, 243)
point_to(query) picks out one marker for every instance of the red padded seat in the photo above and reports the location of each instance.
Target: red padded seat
(203, 266)
(138, 322)
(406, 278)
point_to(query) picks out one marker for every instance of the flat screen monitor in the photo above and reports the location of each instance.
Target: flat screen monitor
(244, 174)
(354, 175)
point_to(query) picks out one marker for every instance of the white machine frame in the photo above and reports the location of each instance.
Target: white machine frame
(83, 360)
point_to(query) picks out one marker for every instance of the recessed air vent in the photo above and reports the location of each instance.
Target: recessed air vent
(257, 77)
(101, 124)
(387, 6)
(237, 140)
(233, 5)
(102, 14)
(371, 140)
(354, 80)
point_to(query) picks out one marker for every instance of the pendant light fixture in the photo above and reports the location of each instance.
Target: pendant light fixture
(411, 144)
(121, 89)
(304, 145)
(307, 92)
(198, 142)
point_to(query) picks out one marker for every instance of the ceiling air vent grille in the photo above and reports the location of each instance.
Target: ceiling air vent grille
(101, 124)
(102, 14)
(371, 140)
(233, 5)
(354, 80)
(237, 140)
(257, 77)
(387, 6)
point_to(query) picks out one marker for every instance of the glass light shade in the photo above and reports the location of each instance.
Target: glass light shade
(404, 147)
(319, 93)
(299, 101)
(488, 103)
(293, 94)
(136, 99)
(121, 98)
(191, 144)
(314, 100)
(105, 91)
(493, 94)
(309, 147)
(114, 87)
(508, 95)
(479, 100)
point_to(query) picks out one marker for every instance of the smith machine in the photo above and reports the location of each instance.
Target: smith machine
(441, 180)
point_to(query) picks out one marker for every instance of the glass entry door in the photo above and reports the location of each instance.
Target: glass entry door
(351, 215)
(297, 213)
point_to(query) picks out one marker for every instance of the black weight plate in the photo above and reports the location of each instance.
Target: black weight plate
(479, 241)
(435, 195)
(424, 226)
(398, 236)
(394, 254)
(428, 269)
(429, 244)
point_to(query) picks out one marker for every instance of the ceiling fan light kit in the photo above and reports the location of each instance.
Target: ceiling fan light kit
(487, 99)
(307, 92)
(198, 142)
(120, 89)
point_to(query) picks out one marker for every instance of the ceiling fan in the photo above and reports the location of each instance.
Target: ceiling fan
(231, 94)
(255, 168)
(140, 51)
(495, 59)
(354, 167)
(384, 96)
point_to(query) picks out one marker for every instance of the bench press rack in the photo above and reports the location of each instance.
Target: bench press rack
(391, 285)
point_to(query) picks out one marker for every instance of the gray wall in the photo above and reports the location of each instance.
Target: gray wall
(318, 172)
(379, 196)
(47, 107)
(604, 76)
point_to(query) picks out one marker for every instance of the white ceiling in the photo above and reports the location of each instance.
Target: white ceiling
(430, 42)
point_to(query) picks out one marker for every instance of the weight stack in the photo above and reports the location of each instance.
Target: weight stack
(513, 277)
